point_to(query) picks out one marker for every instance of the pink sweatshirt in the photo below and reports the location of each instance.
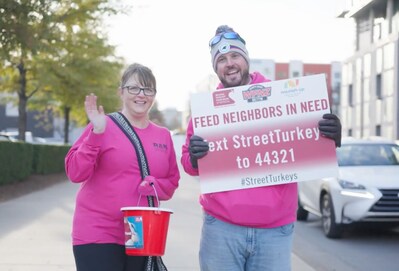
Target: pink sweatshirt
(262, 207)
(106, 166)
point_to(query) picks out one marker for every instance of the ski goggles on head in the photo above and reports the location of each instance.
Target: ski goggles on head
(226, 35)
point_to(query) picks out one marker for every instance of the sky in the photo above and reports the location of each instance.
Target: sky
(171, 36)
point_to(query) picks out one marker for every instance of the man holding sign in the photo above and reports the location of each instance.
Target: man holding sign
(248, 228)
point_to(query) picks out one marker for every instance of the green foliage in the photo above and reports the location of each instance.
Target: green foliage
(83, 68)
(16, 161)
(34, 27)
(76, 74)
(27, 28)
(53, 53)
(49, 159)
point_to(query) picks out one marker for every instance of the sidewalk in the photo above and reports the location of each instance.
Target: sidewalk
(35, 230)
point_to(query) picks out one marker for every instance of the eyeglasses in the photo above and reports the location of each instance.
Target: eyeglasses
(227, 35)
(135, 90)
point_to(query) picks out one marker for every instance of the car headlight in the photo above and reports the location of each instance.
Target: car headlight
(354, 190)
(350, 185)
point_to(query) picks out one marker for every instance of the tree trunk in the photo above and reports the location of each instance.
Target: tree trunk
(22, 101)
(67, 110)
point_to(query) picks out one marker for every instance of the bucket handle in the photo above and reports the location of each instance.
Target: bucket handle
(156, 195)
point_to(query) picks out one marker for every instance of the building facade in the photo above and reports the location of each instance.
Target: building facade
(296, 68)
(369, 89)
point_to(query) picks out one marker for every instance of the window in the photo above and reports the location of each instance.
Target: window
(281, 75)
(350, 95)
(377, 29)
(368, 155)
(378, 86)
(378, 130)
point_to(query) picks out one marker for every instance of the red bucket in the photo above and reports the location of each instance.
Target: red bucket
(146, 229)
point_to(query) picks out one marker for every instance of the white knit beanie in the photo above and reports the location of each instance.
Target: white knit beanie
(227, 45)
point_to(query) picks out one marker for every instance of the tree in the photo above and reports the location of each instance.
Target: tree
(84, 67)
(32, 34)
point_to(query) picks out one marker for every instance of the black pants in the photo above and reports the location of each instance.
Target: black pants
(106, 257)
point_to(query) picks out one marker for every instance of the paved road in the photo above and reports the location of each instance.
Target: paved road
(35, 230)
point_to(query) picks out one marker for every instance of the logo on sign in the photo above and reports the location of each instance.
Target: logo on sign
(257, 93)
(222, 97)
(292, 88)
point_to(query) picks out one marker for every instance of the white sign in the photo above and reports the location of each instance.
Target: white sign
(263, 134)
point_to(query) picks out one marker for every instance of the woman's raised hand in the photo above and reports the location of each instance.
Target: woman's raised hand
(95, 114)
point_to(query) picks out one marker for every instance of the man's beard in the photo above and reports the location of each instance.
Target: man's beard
(244, 80)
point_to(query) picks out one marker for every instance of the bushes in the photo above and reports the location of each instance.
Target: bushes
(48, 158)
(19, 160)
(15, 161)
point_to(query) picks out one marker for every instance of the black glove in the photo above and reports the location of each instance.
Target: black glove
(198, 148)
(330, 126)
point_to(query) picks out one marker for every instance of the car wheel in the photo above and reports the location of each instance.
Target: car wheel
(330, 227)
(301, 213)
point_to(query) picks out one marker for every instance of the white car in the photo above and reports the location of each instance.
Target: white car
(29, 138)
(367, 189)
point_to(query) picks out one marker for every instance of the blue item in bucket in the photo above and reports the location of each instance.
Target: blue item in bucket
(135, 224)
